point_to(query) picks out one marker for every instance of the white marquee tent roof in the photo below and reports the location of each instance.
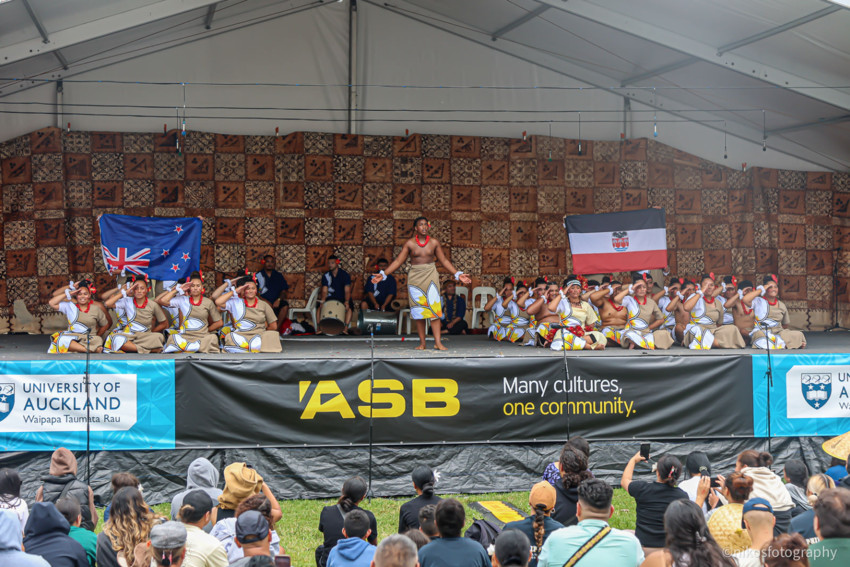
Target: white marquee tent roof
(720, 62)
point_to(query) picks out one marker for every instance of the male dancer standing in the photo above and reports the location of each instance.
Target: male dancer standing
(423, 281)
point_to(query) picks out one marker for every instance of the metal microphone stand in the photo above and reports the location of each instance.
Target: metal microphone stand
(769, 375)
(835, 324)
(566, 375)
(371, 407)
(87, 379)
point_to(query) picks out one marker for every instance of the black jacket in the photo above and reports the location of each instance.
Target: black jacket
(54, 486)
(46, 534)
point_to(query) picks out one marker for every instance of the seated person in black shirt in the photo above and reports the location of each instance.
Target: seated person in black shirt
(454, 311)
(272, 287)
(423, 482)
(573, 468)
(379, 296)
(332, 518)
(336, 284)
(428, 521)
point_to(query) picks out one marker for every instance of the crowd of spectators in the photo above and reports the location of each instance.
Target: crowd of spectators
(753, 516)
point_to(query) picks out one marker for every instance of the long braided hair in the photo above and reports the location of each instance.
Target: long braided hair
(537, 525)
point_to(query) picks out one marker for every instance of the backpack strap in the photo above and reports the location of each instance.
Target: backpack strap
(590, 544)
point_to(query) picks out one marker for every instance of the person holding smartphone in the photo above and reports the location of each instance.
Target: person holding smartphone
(652, 498)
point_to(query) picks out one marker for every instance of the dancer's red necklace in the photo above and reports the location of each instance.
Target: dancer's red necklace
(200, 300)
(256, 300)
(775, 301)
(143, 305)
(614, 305)
(86, 310)
(644, 300)
(427, 238)
(709, 300)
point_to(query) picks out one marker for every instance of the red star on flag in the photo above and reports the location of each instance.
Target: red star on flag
(175, 267)
(178, 229)
(185, 255)
(165, 252)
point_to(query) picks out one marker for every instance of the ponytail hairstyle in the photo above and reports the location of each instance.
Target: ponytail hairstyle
(817, 484)
(165, 557)
(540, 281)
(739, 487)
(669, 468)
(688, 538)
(537, 525)
(424, 479)
(753, 459)
(573, 465)
(353, 491)
(581, 444)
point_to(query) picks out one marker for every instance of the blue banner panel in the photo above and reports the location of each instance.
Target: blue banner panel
(810, 394)
(43, 405)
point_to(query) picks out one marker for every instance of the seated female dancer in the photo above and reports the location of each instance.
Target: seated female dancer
(643, 329)
(254, 323)
(198, 315)
(706, 329)
(145, 321)
(511, 321)
(772, 318)
(578, 317)
(87, 319)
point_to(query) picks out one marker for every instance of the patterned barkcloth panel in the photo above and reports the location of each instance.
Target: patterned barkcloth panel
(496, 203)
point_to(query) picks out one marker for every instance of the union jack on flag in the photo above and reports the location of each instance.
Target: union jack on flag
(161, 248)
(121, 261)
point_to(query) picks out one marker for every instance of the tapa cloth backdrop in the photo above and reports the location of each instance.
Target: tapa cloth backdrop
(497, 203)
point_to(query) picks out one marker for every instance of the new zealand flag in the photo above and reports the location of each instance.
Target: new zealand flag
(163, 248)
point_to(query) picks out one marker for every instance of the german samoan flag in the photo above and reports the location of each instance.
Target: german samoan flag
(163, 248)
(618, 242)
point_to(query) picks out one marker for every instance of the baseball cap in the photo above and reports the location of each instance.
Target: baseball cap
(199, 500)
(755, 505)
(251, 527)
(168, 535)
(543, 493)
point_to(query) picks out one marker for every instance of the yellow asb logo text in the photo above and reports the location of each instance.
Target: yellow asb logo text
(431, 397)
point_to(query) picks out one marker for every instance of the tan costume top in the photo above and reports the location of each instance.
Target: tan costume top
(140, 318)
(195, 318)
(250, 318)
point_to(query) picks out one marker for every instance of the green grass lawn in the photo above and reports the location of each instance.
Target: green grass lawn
(299, 533)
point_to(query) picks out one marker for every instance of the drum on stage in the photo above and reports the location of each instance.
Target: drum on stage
(332, 317)
(383, 323)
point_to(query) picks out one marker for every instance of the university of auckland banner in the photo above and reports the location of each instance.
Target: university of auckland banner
(43, 405)
(810, 394)
(618, 242)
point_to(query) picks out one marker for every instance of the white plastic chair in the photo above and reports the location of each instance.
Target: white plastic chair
(483, 295)
(309, 309)
(404, 316)
(464, 291)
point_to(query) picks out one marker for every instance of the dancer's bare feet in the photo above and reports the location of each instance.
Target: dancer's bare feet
(420, 347)
(439, 347)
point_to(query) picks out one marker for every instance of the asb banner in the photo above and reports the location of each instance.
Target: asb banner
(43, 405)
(260, 403)
(810, 394)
